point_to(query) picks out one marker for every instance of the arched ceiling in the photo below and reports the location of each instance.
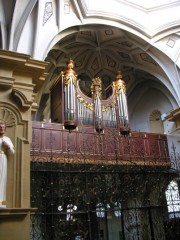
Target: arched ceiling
(100, 51)
(140, 38)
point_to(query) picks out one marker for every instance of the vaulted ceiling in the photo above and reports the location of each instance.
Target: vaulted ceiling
(140, 38)
(100, 51)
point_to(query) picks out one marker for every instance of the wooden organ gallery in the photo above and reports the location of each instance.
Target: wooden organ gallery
(91, 177)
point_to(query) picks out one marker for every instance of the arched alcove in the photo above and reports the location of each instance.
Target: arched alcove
(155, 122)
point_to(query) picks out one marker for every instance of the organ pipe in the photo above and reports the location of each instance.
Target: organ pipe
(96, 93)
(109, 115)
(70, 108)
(85, 110)
(121, 103)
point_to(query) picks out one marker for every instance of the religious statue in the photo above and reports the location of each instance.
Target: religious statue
(6, 148)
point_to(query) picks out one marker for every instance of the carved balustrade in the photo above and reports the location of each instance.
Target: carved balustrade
(52, 143)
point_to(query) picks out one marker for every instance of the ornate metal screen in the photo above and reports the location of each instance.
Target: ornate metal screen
(87, 185)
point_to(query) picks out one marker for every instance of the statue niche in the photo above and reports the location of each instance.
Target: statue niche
(7, 120)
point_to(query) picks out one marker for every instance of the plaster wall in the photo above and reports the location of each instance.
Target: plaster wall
(150, 101)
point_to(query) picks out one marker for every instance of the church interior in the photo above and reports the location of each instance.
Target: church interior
(90, 95)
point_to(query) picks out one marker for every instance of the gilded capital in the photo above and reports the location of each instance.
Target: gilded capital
(96, 87)
(120, 85)
(70, 75)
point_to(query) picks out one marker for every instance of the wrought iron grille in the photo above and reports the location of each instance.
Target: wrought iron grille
(99, 187)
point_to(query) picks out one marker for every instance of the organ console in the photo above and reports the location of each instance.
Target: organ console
(78, 109)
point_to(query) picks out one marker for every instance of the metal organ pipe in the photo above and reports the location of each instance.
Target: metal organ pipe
(96, 91)
(98, 113)
(109, 115)
(69, 82)
(121, 101)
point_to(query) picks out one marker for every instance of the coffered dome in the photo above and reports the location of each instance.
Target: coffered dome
(100, 51)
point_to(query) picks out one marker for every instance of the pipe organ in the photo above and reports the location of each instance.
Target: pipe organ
(79, 109)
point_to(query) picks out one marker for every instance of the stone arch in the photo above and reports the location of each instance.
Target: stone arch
(10, 114)
(7, 116)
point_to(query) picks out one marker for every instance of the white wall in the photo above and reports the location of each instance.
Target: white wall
(151, 100)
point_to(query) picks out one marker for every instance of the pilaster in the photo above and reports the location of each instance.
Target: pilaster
(20, 79)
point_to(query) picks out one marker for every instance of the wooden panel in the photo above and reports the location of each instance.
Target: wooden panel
(56, 103)
(84, 143)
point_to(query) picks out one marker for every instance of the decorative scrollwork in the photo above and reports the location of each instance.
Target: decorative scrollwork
(7, 117)
(107, 183)
(84, 103)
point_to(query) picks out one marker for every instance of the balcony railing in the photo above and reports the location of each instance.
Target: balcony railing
(52, 143)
